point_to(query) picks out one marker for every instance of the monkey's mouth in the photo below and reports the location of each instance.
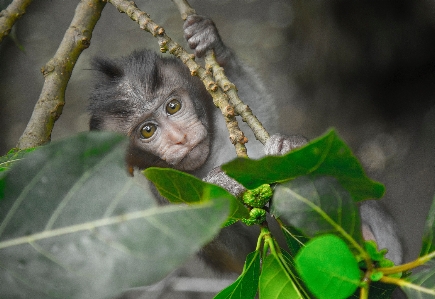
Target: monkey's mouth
(191, 158)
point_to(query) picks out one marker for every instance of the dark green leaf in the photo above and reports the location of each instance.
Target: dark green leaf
(275, 281)
(421, 285)
(180, 187)
(246, 286)
(295, 239)
(328, 268)
(73, 224)
(318, 205)
(429, 232)
(327, 155)
(378, 290)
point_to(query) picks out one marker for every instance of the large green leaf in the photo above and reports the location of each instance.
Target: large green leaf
(275, 281)
(327, 155)
(428, 245)
(328, 268)
(421, 285)
(180, 187)
(12, 157)
(73, 224)
(246, 286)
(318, 205)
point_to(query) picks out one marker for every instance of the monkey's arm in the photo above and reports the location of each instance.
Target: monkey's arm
(277, 144)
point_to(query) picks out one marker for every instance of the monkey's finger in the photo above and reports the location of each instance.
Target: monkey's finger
(195, 24)
(192, 19)
(193, 43)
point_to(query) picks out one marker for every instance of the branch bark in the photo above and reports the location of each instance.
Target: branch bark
(228, 87)
(220, 99)
(11, 14)
(57, 73)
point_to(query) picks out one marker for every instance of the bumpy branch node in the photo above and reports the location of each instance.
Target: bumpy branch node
(11, 14)
(220, 99)
(57, 73)
(228, 87)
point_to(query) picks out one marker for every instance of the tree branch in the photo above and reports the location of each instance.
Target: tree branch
(231, 91)
(184, 8)
(57, 73)
(220, 99)
(222, 80)
(11, 14)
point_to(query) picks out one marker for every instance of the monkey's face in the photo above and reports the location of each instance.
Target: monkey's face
(173, 132)
(159, 105)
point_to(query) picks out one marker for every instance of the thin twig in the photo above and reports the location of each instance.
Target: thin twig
(11, 14)
(167, 44)
(57, 73)
(229, 88)
(184, 8)
(241, 109)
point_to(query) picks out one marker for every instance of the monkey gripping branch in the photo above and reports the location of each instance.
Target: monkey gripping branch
(330, 267)
(312, 192)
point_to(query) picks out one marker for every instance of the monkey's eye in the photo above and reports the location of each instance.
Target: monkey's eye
(148, 130)
(173, 106)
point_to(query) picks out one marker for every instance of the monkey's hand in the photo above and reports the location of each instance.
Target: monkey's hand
(278, 144)
(201, 34)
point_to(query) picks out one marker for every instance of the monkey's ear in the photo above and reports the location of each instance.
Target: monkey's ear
(108, 67)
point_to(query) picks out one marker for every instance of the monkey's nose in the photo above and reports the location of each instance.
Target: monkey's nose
(178, 137)
(183, 140)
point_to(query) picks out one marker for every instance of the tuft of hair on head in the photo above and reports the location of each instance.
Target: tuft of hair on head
(109, 68)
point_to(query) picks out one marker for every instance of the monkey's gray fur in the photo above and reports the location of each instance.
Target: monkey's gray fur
(131, 96)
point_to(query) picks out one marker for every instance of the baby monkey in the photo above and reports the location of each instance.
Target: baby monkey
(171, 121)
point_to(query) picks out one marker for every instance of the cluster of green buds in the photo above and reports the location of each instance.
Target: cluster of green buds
(256, 199)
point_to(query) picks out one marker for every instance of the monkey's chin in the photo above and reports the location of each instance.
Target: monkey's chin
(196, 157)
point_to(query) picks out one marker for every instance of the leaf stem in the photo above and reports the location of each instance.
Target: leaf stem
(408, 266)
(263, 232)
(364, 291)
(403, 283)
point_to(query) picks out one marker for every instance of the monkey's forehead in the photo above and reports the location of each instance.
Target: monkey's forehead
(142, 99)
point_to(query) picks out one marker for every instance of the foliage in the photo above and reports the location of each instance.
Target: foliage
(70, 213)
(327, 155)
(73, 224)
(13, 156)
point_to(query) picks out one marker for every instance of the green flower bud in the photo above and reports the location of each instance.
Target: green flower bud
(258, 197)
(256, 216)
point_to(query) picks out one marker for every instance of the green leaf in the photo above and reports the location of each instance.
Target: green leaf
(13, 156)
(275, 281)
(73, 224)
(294, 238)
(428, 245)
(372, 249)
(328, 268)
(327, 155)
(180, 187)
(318, 205)
(378, 290)
(246, 285)
(421, 285)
